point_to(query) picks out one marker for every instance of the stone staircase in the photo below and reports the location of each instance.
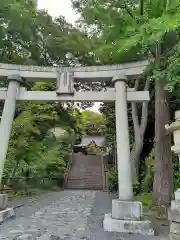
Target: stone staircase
(86, 172)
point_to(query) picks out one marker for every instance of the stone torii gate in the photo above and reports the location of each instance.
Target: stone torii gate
(126, 213)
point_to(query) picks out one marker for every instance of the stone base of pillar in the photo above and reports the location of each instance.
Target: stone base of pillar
(131, 210)
(127, 226)
(3, 201)
(5, 213)
(174, 217)
(173, 237)
(126, 217)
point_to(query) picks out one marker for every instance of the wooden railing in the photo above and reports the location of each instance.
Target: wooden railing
(67, 170)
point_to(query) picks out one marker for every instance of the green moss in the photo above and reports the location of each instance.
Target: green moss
(146, 199)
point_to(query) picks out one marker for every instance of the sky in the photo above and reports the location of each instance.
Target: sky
(59, 7)
(62, 7)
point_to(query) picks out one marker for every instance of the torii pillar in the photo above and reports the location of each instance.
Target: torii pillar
(126, 216)
(5, 132)
(122, 138)
(7, 118)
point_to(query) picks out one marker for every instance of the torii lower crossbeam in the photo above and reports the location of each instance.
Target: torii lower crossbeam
(102, 96)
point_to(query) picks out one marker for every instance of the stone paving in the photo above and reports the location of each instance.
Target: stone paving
(65, 218)
(66, 215)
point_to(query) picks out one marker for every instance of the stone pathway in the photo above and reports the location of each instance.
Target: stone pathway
(66, 215)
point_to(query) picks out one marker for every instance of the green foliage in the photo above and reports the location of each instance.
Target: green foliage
(136, 188)
(145, 198)
(148, 178)
(176, 180)
(126, 28)
(40, 164)
(113, 180)
(108, 112)
(134, 30)
(29, 36)
(35, 156)
(93, 123)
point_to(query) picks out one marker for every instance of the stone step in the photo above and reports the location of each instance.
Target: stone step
(127, 226)
(85, 167)
(6, 214)
(174, 237)
(84, 182)
(175, 206)
(85, 187)
(81, 178)
(175, 228)
(86, 172)
(173, 216)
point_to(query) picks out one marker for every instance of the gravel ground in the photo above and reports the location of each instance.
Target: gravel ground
(66, 215)
(53, 216)
(102, 205)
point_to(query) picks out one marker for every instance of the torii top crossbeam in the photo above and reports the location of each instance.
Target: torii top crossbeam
(65, 78)
(93, 73)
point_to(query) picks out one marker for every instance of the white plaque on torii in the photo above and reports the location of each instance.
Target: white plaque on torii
(65, 83)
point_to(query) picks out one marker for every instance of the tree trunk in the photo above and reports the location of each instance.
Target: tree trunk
(162, 187)
(135, 157)
(139, 131)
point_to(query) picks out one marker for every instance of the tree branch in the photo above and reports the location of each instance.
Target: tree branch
(136, 86)
(135, 120)
(135, 114)
(128, 10)
(144, 114)
(142, 7)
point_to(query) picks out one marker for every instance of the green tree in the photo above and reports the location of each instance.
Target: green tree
(93, 123)
(33, 148)
(29, 36)
(16, 30)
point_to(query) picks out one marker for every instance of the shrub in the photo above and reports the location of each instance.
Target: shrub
(147, 182)
(93, 149)
(42, 166)
(113, 182)
(145, 198)
(176, 181)
(136, 188)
